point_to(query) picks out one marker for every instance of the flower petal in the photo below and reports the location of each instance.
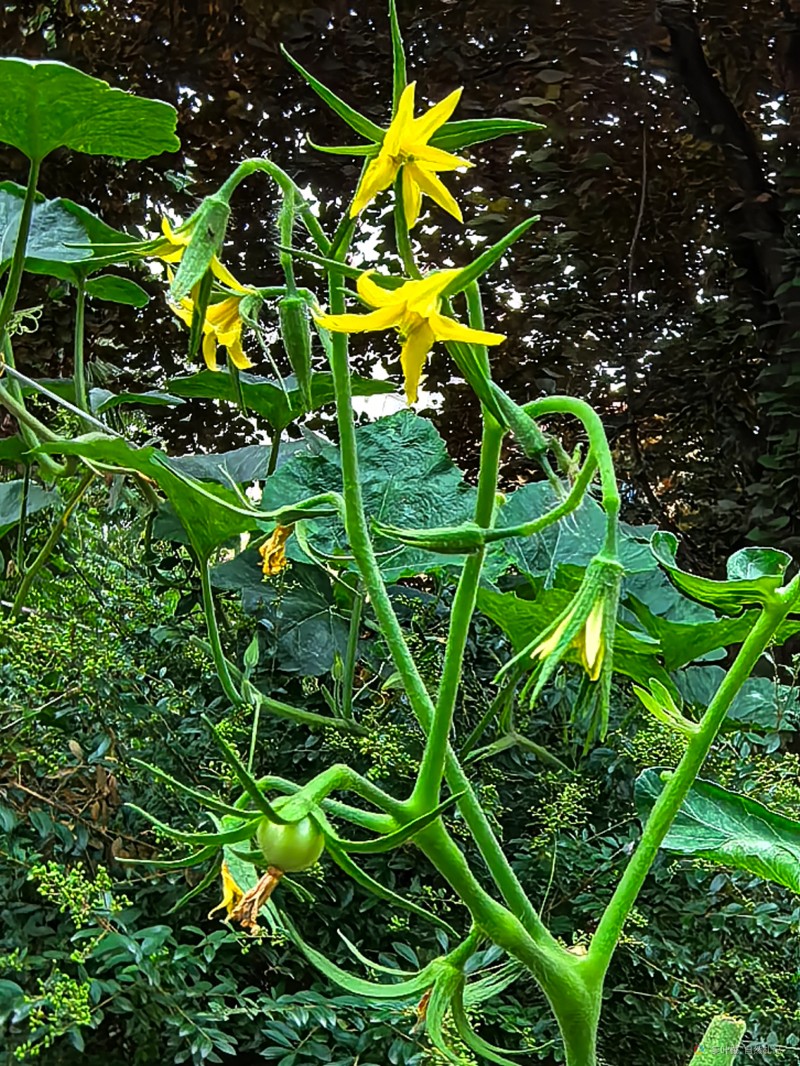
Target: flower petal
(221, 273)
(437, 159)
(447, 329)
(426, 125)
(431, 185)
(402, 124)
(374, 294)
(210, 350)
(412, 358)
(412, 198)
(592, 647)
(422, 297)
(383, 318)
(378, 176)
(235, 351)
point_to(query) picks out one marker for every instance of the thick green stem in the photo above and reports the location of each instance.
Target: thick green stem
(49, 545)
(421, 704)
(78, 367)
(274, 451)
(402, 237)
(669, 802)
(429, 778)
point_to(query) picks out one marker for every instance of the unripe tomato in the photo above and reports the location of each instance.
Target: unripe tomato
(291, 847)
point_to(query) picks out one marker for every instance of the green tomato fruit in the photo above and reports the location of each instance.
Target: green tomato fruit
(291, 847)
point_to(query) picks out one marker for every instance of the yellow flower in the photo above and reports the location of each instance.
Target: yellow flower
(222, 325)
(232, 895)
(273, 551)
(588, 640)
(175, 243)
(413, 310)
(405, 146)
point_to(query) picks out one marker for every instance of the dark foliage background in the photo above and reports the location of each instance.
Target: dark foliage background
(660, 282)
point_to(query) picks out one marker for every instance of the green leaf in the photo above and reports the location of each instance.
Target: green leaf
(201, 856)
(298, 612)
(46, 105)
(728, 828)
(355, 985)
(759, 704)
(117, 290)
(400, 836)
(13, 450)
(59, 235)
(461, 134)
(478, 267)
(754, 576)
(523, 620)
(239, 466)
(352, 117)
(246, 779)
(720, 1043)
(361, 877)
(227, 836)
(11, 502)
(279, 406)
(407, 479)
(206, 800)
(399, 78)
(102, 400)
(207, 525)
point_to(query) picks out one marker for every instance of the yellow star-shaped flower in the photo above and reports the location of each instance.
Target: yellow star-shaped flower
(405, 148)
(413, 310)
(223, 324)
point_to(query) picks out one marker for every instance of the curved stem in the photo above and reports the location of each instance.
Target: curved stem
(217, 651)
(11, 293)
(49, 545)
(599, 444)
(351, 654)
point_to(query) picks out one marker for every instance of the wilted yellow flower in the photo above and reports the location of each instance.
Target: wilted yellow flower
(405, 147)
(589, 639)
(223, 324)
(273, 551)
(175, 243)
(232, 895)
(413, 310)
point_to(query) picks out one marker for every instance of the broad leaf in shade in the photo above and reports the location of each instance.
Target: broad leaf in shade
(46, 105)
(207, 525)
(720, 1043)
(58, 239)
(102, 400)
(11, 494)
(13, 450)
(728, 828)
(754, 576)
(686, 642)
(523, 620)
(407, 480)
(759, 704)
(297, 611)
(573, 541)
(278, 406)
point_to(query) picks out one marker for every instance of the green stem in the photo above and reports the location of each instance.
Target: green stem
(37, 386)
(429, 778)
(351, 655)
(9, 301)
(49, 545)
(23, 516)
(78, 368)
(418, 697)
(676, 789)
(217, 651)
(599, 444)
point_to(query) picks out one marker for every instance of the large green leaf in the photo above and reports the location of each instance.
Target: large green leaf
(726, 827)
(298, 612)
(407, 480)
(60, 232)
(522, 620)
(208, 523)
(102, 400)
(45, 105)
(116, 290)
(754, 576)
(464, 132)
(11, 502)
(266, 397)
(759, 704)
